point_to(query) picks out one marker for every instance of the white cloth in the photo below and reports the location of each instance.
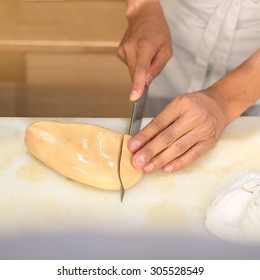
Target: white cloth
(234, 215)
(210, 38)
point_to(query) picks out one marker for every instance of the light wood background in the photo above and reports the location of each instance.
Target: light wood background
(57, 58)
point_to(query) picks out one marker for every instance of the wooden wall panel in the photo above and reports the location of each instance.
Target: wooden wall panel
(87, 85)
(52, 21)
(57, 58)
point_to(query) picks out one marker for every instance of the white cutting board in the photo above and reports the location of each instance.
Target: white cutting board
(33, 197)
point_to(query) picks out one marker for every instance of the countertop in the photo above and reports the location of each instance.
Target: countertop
(35, 198)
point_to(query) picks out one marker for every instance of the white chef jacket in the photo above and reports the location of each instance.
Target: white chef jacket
(209, 38)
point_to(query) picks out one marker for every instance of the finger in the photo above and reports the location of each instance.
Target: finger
(129, 58)
(131, 63)
(154, 127)
(177, 149)
(144, 56)
(123, 48)
(121, 54)
(127, 53)
(189, 157)
(159, 61)
(162, 141)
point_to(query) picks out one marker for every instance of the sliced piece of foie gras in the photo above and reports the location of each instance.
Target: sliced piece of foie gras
(129, 175)
(85, 153)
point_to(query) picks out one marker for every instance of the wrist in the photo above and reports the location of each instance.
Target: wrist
(133, 6)
(239, 89)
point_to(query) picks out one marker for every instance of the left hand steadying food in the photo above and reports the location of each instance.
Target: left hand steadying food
(187, 128)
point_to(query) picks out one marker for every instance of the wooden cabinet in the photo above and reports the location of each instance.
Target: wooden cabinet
(57, 58)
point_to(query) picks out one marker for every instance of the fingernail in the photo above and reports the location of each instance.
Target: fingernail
(135, 145)
(168, 169)
(134, 95)
(139, 161)
(149, 167)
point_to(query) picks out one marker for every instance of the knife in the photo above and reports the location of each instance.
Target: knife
(135, 123)
(137, 113)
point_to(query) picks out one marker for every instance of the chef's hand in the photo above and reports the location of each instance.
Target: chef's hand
(187, 128)
(192, 123)
(146, 45)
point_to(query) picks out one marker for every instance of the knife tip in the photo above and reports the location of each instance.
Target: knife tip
(122, 194)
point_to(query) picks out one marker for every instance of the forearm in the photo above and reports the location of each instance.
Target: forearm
(239, 89)
(132, 6)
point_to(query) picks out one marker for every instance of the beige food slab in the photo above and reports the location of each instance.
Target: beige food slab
(35, 198)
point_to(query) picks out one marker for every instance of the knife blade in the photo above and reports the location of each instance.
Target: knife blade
(135, 123)
(137, 113)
